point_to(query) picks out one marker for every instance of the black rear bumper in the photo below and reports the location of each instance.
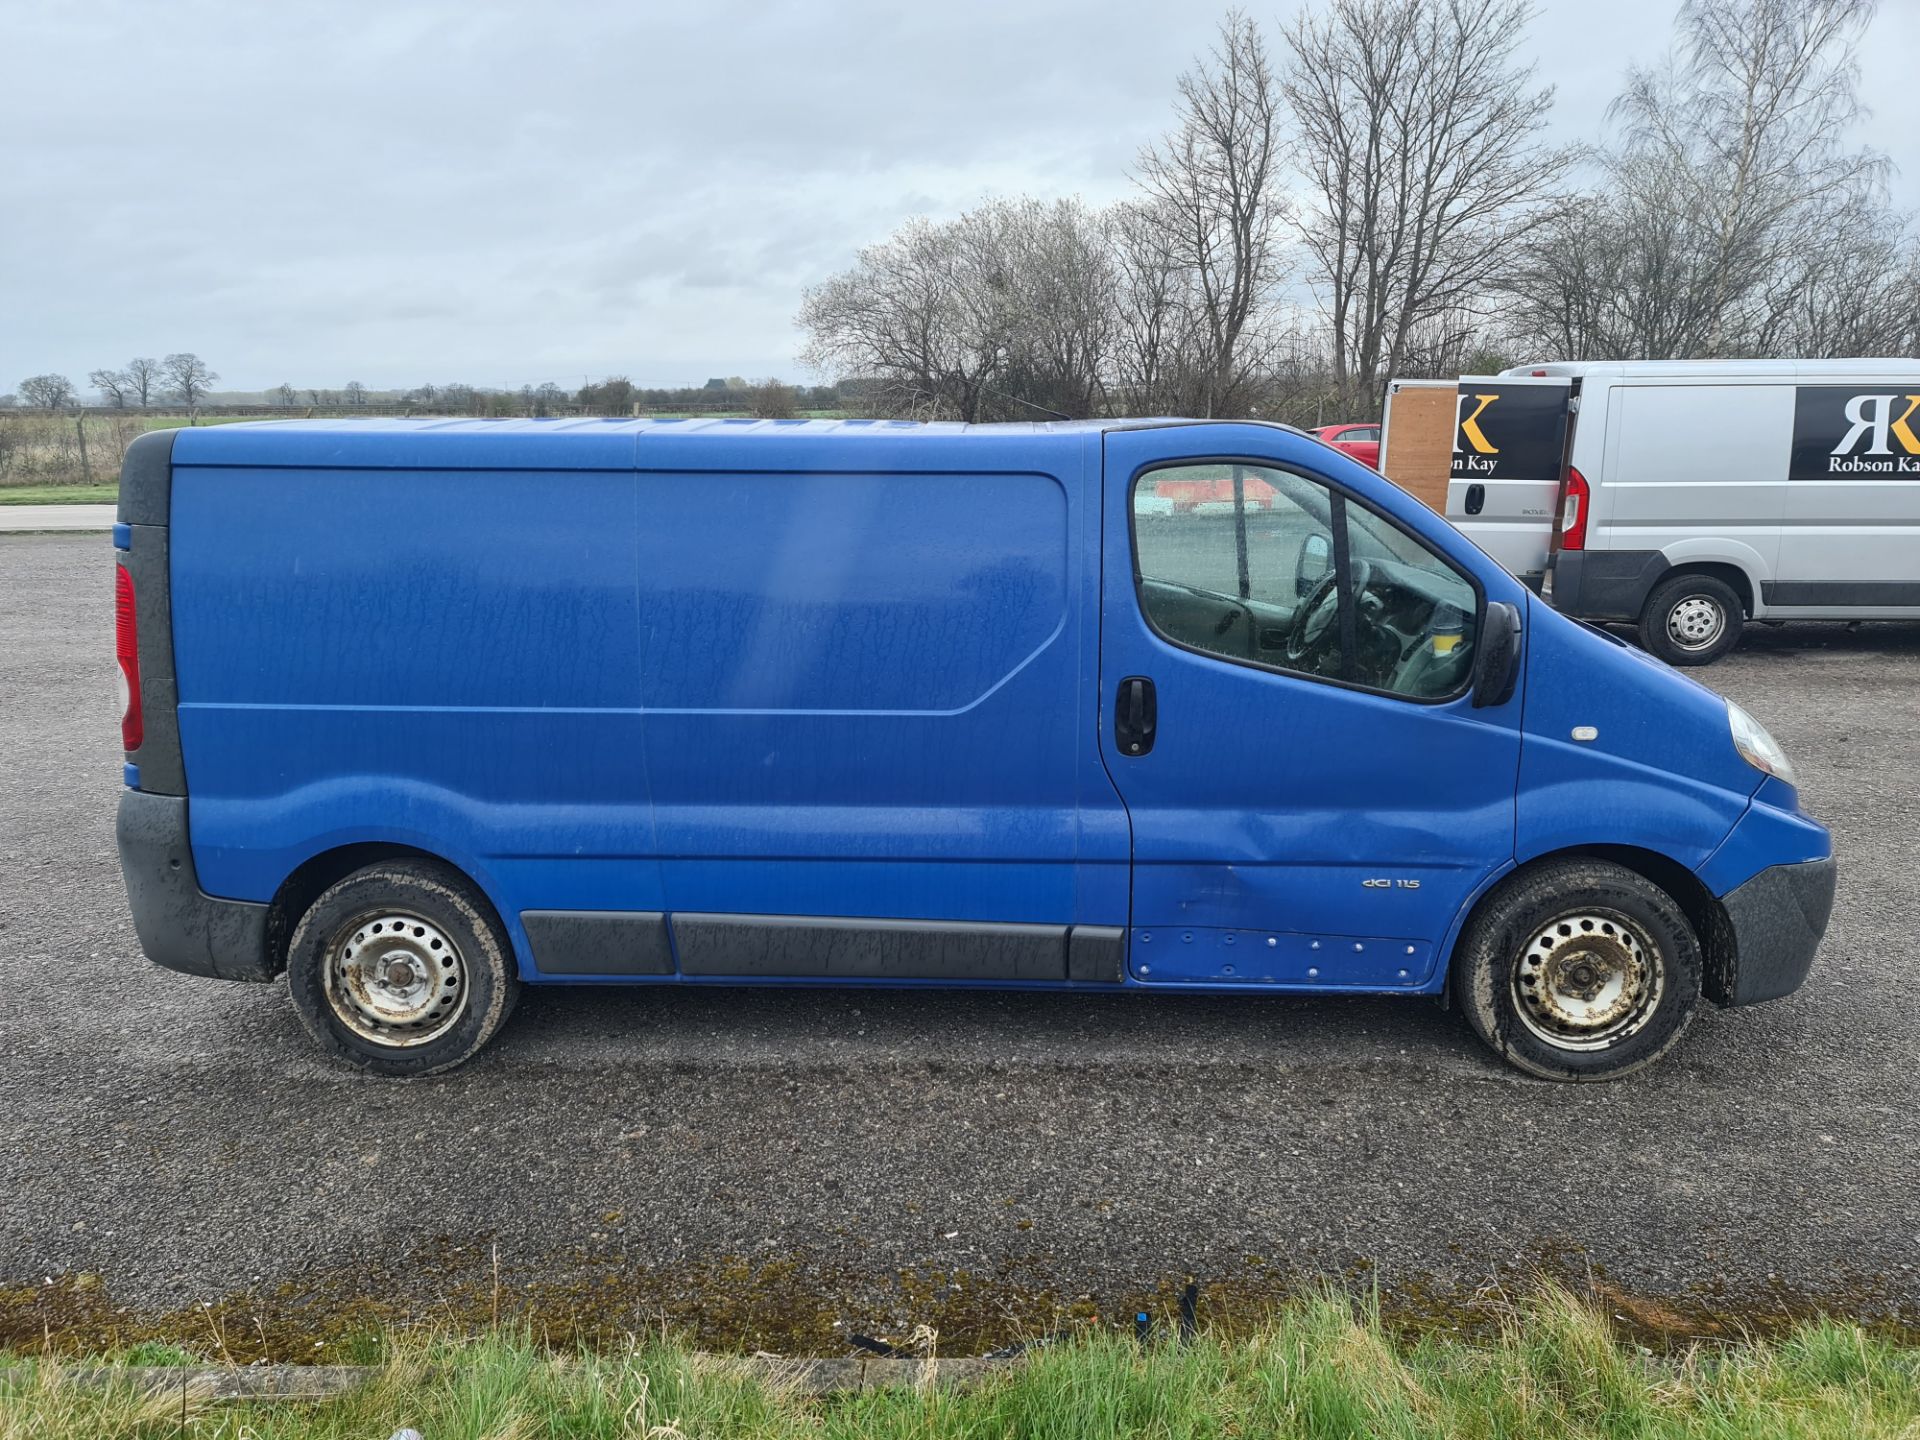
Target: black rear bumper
(180, 926)
(1778, 919)
(1604, 584)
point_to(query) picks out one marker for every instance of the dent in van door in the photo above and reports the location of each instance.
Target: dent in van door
(1322, 796)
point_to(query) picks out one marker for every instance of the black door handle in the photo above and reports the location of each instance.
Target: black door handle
(1135, 714)
(1476, 498)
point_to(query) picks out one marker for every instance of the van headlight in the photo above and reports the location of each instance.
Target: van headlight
(1756, 746)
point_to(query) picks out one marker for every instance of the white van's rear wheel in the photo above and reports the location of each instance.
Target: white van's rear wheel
(1691, 620)
(401, 969)
(1579, 970)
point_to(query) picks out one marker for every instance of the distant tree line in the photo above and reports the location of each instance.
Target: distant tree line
(185, 380)
(1367, 193)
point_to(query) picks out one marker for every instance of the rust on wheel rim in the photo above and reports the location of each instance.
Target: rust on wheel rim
(395, 978)
(1588, 980)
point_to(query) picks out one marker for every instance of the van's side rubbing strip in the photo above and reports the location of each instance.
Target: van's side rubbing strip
(599, 942)
(852, 948)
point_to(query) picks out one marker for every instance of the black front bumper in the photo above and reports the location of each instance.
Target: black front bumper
(1604, 584)
(181, 926)
(1778, 918)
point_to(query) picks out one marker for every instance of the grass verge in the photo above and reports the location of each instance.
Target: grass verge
(59, 494)
(1321, 1367)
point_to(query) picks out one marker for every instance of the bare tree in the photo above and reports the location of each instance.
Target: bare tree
(1418, 141)
(356, 393)
(1742, 138)
(771, 399)
(1052, 266)
(1212, 180)
(903, 316)
(112, 385)
(285, 393)
(143, 379)
(611, 396)
(1858, 293)
(47, 392)
(1732, 217)
(188, 377)
(1155, 349)
(1004, 312)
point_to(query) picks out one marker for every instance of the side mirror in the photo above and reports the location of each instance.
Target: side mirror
(1316, 558)
(1496, 665)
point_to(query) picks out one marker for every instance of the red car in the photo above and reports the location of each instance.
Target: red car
(1362, 442)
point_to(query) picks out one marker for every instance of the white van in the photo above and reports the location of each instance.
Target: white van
(1700, 494)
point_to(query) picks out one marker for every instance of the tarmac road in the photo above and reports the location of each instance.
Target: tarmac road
(56, 517)
(761, 1164)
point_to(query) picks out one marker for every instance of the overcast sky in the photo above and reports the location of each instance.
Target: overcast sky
(502, 193)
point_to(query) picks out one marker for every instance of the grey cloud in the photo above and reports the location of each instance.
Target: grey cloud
(464, 189)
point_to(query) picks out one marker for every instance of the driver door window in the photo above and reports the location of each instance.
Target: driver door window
(1227, 564)
(1265, 567)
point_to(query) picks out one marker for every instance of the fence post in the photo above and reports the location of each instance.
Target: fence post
(80, 429)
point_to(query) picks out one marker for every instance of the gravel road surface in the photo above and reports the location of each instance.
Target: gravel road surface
(762, 1164)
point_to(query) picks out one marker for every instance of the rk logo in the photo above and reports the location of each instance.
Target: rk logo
(1508, 431)
(1470, 430)
(1872, 415)
(1842, 432)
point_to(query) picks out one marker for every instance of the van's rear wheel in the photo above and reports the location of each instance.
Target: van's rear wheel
(401, 969)
(1691, 620)
(1579, 970)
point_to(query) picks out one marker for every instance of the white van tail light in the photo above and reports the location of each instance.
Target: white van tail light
(1575, 500)
(126, 648)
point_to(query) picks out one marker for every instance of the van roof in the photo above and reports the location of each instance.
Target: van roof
(601, 425)
(1892, 368)
(588, 443)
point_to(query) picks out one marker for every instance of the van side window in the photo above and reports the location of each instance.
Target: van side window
(1267, 568)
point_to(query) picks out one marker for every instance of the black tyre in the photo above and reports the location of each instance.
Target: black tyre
(401, 969)
(1691, 620)
(1578, 970)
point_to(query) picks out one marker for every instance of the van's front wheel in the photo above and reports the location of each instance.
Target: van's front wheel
(1579, 970)
(1691, 620)
(401, 969)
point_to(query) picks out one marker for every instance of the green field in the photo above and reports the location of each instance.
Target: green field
(42, 461)
(1322, 1368)
(59, 494)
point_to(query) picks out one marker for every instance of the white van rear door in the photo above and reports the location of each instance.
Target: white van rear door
(1509, 448)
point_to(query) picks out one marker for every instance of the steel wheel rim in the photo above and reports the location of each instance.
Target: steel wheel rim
(1696, 622)
(395, 978)
(1588, 980)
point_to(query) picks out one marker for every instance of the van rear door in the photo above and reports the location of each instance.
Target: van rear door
(1509, 450)
(1292, 825)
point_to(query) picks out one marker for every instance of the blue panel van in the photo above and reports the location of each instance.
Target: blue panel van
(421, 712)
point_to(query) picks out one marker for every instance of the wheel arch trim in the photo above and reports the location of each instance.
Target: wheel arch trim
(1705, 914)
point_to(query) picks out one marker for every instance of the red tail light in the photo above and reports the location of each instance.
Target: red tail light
(1575, 501)
(126, 648)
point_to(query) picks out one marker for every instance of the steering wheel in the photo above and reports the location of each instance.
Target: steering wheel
(1311, 620)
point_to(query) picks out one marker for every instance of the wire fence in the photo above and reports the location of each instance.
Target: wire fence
(69, 449)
